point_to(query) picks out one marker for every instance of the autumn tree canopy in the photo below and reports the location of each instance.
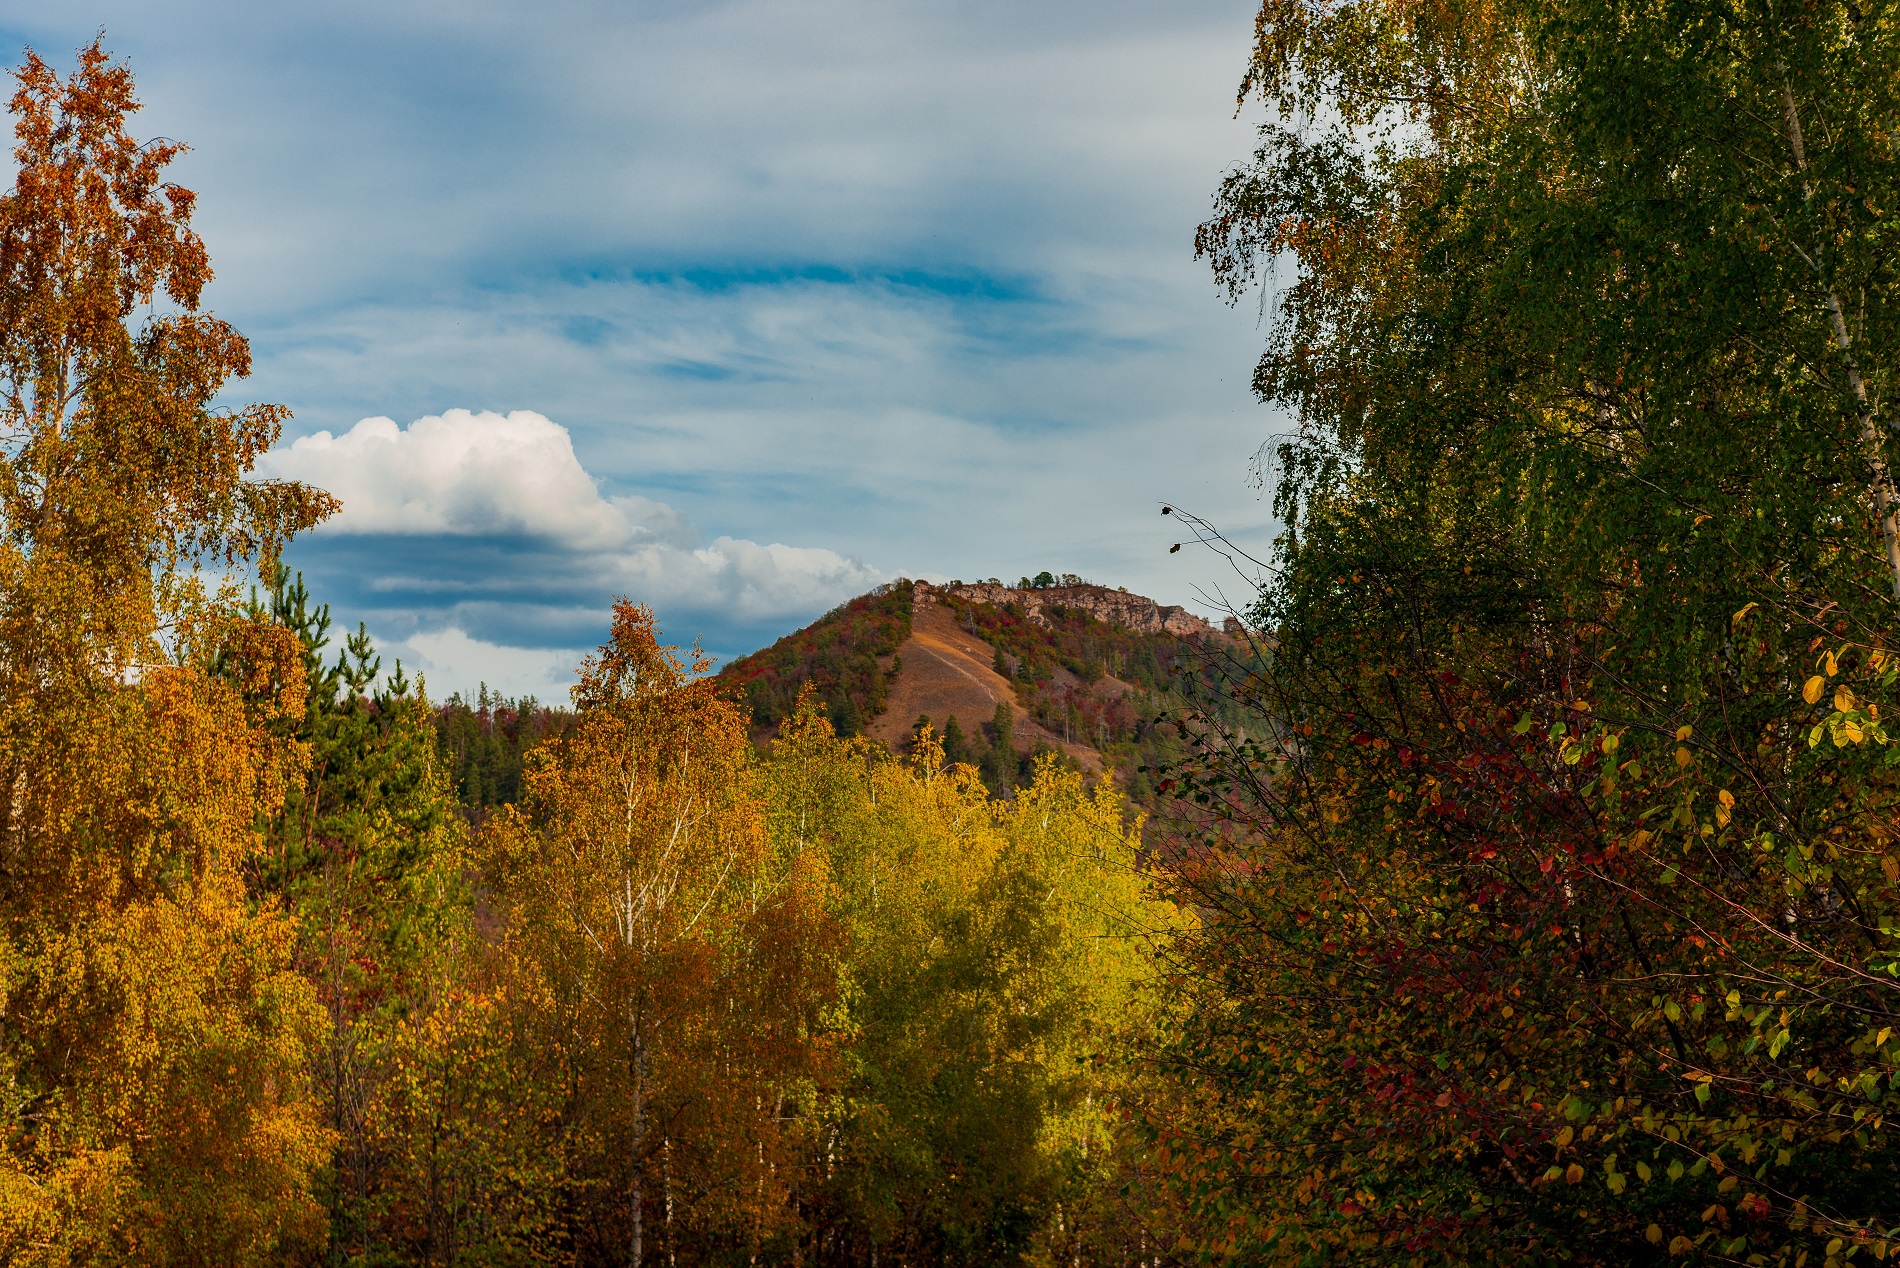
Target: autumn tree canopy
(154, 1043)
(1526, 882)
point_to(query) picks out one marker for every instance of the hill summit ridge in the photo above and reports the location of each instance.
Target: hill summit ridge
(1133, 612)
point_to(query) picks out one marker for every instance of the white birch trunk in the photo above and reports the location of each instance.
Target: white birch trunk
(666, 1191)
(1884, 496)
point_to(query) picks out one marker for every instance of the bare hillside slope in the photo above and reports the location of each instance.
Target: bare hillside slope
(944, 672)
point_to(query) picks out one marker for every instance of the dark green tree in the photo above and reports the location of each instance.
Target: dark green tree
(1550, 899)
(956, 746)
(368, 853)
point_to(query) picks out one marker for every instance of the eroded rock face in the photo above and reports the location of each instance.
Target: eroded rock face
(1116, 607)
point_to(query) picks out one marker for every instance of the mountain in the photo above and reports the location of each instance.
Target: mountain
(1002, 672)
(845, 653)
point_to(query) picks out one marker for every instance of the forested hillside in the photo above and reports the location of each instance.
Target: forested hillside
(1082, 672)
(1087, 674)
(838, 655)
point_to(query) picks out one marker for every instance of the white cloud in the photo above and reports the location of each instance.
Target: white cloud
(748, 581)
(469, 534)
(450, 661)
(459, 472)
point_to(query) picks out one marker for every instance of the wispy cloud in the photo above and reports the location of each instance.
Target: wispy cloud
(860, 288)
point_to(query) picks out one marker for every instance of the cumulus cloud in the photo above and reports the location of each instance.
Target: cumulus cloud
(481, 544)
(464, 473)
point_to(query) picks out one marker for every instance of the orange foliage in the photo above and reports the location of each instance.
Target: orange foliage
(664, 951)
(155, 1107)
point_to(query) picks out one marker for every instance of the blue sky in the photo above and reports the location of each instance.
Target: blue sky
(738, 308)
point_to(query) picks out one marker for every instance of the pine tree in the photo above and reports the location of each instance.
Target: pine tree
(956, 747)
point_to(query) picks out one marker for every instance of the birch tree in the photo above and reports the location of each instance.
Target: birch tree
(1558, 922)
(626, 880)
(154, 1099)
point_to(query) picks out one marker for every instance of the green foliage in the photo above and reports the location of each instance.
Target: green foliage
(1548, 913)
(956, 746)
(367, 854)
(481, 745)
(838, 654)
(993, 981)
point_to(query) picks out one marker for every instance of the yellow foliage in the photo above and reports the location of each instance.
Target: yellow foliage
(153, 1070)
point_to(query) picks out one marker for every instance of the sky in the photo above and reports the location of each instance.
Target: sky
(734, 308)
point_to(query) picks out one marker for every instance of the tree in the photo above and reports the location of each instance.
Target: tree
(1549, 904)
(368, 855)
(662, 947)
(1001, 764)
(992, 964)
(157, 1099)
(956, 748)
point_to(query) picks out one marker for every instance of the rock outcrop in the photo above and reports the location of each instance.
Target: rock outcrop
(1116, 607)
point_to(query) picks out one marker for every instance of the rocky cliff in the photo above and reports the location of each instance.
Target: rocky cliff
(1115, 607)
